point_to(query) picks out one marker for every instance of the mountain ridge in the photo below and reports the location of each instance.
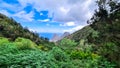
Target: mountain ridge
(57, 37)
(11, 29)
(80, 34)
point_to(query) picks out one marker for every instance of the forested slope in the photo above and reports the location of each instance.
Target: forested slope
(80, 34)
(107, 23)
(105, 34)
(11, 29)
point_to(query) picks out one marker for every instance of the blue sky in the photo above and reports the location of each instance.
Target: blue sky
(49, 16)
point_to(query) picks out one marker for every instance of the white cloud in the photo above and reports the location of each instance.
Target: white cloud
(55, 30)
(41, 14)
(21, 15)
(24, 15)
(86, 4)
(46, 30)
(11, 7)
(68, 24)
(45, 20)
(64, 10)
(73, 29)
(5, 12)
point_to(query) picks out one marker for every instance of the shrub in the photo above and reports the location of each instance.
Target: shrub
(88, 62)
(23, 43)
(3, 40)
(41, 47)
(61, 58)
(8, 48)
(79, 55)
(110, 51)
(34, 59)
(58, 54)
(67, 43)
(23, 55)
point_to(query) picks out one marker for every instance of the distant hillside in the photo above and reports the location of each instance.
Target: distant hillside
(9, 28)
(81, 34)
(57, 37)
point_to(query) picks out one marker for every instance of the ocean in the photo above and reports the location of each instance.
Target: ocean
(48, 35)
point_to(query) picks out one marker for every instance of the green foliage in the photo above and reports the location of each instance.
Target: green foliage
(67, 43)
(13, 57)
(61, 58)
(3, 40)
(85, 47)
(83, 51)
(110, 51)
(46, 46)
(79, 54)
(23, 43)
(59, 55)
(41, 47)
(81, 34)
(107, 24)
(90, 63)
(8, 47)
(89, 60)
(84, 56)
(24, 54)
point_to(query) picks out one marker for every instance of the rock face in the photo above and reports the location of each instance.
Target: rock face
(56, 37)
(64, 35)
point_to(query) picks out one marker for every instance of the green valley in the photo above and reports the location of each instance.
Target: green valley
(94, 46)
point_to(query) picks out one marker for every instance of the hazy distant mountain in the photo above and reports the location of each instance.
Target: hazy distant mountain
(57, 37)
(64, 35)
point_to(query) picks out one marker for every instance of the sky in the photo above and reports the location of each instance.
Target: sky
(49, 16)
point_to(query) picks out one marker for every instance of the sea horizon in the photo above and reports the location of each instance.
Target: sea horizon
(48, 35)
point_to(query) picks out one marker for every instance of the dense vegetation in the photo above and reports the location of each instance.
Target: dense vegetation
(94, 46)
(26, 54)
(107, 24)
(103, 31)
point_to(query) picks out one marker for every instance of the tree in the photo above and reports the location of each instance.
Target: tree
(106, 21)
